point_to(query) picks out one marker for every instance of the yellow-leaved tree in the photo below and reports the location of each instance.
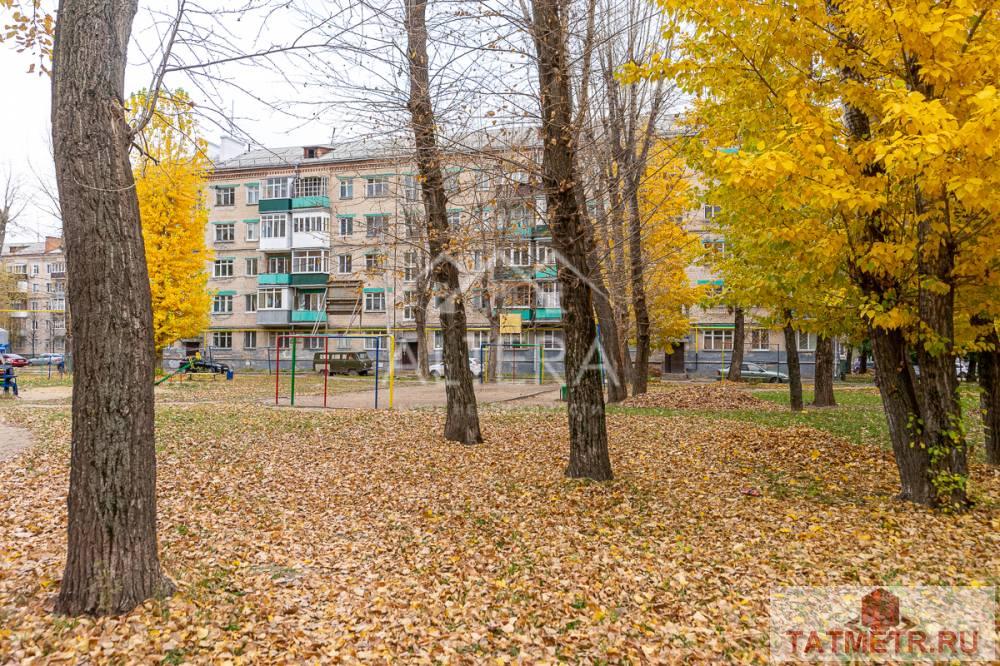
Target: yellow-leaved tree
(170, 174)
(664, 197)
(870, 130)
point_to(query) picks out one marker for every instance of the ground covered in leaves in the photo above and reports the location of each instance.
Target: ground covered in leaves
(360, 535)
(716, 396)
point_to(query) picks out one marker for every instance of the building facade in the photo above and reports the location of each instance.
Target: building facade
(34, 312)
(328, 240)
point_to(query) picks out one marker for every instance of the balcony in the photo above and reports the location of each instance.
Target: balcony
(273, 317)
(308, 316)
(548, 314)
(503, 272)
(274, 205)
(302, 240)
(311, 202)
(309, 279)
(271, 279)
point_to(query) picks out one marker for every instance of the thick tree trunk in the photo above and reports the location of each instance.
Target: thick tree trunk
(897, 386)
(739, 340)
(112, 563)
(462, 420)
(823, 380)
(970, 374)
(588, 431)
(794, 370)
(989, 382)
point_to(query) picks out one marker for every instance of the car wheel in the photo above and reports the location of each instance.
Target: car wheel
(773, 380)
(435, 374)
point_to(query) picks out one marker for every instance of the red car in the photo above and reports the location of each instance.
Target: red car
(14, 360)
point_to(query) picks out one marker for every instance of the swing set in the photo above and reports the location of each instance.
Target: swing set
(383, 343)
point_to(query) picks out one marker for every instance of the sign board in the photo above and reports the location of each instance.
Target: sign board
(510, 323)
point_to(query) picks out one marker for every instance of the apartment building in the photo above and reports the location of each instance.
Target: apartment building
(328, 239)
(34, 313)
(709, 343)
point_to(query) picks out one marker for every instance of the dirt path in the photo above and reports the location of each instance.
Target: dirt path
(12, 441)
(432, 394)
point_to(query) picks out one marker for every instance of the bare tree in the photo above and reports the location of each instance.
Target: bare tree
(12, 203)
(588, 431)
(462, 420)
(112, 562)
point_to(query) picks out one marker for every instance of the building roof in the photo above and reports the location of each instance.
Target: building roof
(50, 245)
(372, 148)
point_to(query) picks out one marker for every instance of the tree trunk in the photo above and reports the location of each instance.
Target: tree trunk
(794, 371)
(862, 361)
(462, 420)
(850, 358)
(970, 374)
(823, 380)
(989, 382)
(588, 431)
(112, 563)
(739, 340)
(640, 371)
(494, 349)
(420, 323)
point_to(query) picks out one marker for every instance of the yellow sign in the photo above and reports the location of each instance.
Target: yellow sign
(510, 323)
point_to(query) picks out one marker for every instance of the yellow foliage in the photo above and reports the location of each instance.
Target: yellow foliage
(170, 179)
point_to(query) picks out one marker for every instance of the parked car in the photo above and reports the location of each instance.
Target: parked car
(46, 359)
(15, 360)
(437, 369)
(754, 372)
(343, 363)
(207, 366)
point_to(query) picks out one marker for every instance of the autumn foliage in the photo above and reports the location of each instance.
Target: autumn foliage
(170, 176)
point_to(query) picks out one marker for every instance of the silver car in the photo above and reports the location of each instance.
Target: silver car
(754, 372)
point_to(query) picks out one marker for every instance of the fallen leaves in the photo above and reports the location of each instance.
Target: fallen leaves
(362, 536)
(717, 396)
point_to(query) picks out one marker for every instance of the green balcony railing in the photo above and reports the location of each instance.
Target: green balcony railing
(274, 205)
(309, 279)
(311, 202)
(274, 279)
(548, 314)
(307, 316)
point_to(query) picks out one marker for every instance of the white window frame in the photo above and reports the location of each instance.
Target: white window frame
(346, 190)
(250, 302)
(760, 340)
(252, 194)
(311, 301)
(253, 232)
(310, 223)
(411, 188)
(721, 339)
(374, 301)
(225, 233)
(345, 264)
(223, 201)
(438, 339)
(251, 266)
(345, 226)
(311, 186)
(223, 268)
(711, 211)
(279, 265)
(271, 298)
(311, 261)
(276, 188)
(548, 295)
(274, 225)
(250, 339)
(222, 339)
(376, 187)
(517, 255)
(374, 261)
(376, 230)
(515, 296)
(222, 304)
(810, 341)
(551, 341)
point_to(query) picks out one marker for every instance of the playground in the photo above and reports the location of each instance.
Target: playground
(413, 394)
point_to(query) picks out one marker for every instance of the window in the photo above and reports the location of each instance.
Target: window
(717, 340)
(57, 304)
(34, 288)
(411, 188)
(346, 225)
(520, 177)
(225, 233)
(374, 262)
(34, 269)
(250, 339)
(455, 219)
(715, 245)
(274, 225)
(223, 268)
(253, 231)
(250, 304)
(343, 263)
(225, 196)
(346, 188)
(477, 260)
(510, 339)
(270, 299)
(376, 186)
(546, 255)
(548, 296)
(409, 266)
(252, 193)
(373, 342)
(276, 188)
(311, 186)
(279, 264)
(484, 181)
(313, 343)
(310, 300)
(520, 296)
(58, 267)
(222, 339)
(344, 343)
(806, 341)
(252, 264)
(18, 269)
(222, 304)
(438, 339)
(452, 183)
(310, 261)
(375, 225)
(711, 211)
(410, 229)
(517, 255)
(760, 340)
(409, 309)
(551, 340)
(314, 222)
(375, 301)
(519, 216)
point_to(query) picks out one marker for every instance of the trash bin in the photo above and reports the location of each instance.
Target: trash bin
(843, 369)
(229, 375)
(564, 393)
